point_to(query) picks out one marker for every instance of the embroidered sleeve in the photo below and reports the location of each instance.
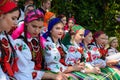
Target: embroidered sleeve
(24, 55)
(52, 58)
(22, 47)
(52, 55)
(72, 56)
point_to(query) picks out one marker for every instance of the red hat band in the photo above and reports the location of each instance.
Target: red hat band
(6, 6)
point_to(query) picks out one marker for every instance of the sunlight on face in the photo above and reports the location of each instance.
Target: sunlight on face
(79, 36)
(114, 43)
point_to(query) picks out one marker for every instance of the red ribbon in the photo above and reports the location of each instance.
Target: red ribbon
(14, 66)
(7, 67)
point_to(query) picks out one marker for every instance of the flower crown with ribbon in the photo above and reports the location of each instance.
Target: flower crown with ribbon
(33, 15)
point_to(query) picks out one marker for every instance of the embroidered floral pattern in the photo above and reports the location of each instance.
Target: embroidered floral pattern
(62, 53)
(92, 54)
(72, 49)
(9, 62)
(36, 53)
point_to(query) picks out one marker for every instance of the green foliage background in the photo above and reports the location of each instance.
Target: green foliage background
(91, 14)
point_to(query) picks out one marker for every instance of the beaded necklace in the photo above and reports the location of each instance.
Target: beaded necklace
(35, 48)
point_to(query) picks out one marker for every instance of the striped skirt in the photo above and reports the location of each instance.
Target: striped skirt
(107, 74)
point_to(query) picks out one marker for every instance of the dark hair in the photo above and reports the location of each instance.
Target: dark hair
(44, 1)
(29, 0)
(97, 34)
(30, 5)
(61, 16)
(13, 10)
(39, 41)
(34, 15)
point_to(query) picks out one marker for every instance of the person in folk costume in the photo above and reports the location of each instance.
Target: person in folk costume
(63, 18)
(11, 57)
(30, 32)
(98, 43)
(113, 44)
(55, 51)
(76, 53)
(27, 9)
(92, 55)
(68, 30)
(71, 22)
(112, 51)
(45, 6)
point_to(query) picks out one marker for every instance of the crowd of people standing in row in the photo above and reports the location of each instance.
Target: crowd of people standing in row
(37, 44)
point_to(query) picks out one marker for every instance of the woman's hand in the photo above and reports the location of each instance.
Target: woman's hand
(96, 70)
(112, 62)
(79, 66)
(92, 69)
(53, 76)
(61, 76)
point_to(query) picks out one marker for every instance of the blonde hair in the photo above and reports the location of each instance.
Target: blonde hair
(111, 39)
(72, 36)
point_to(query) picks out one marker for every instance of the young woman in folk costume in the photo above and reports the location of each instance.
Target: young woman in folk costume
(114, 54)
(76, 53)
(30, 32)
(98, 59)
(14, 63)
(113, 45)
(63, 18)
(55, 50)
(71, 22)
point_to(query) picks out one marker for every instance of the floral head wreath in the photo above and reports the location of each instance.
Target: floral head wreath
(33, 15)
(6, 6)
